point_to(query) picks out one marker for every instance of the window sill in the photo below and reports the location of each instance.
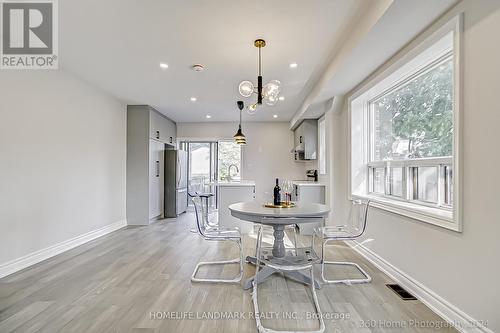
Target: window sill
(440, 217)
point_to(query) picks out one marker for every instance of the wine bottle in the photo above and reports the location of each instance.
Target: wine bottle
(276, 193)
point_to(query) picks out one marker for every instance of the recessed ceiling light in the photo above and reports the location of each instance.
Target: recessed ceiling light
(208, 116)
(163, 65)
(281, 98)
(293, 65)
(193, 99)
(275, 116)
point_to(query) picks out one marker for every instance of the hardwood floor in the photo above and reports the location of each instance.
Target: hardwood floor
(138, 280)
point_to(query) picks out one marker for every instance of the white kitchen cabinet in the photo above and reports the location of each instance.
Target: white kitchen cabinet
(148, 133)
(156, 177)
(171, 130)
(230, 193)
(161, 128)
(311, 192)
(306, 140)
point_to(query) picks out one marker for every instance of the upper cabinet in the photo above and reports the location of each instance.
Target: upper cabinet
(306, 140)
(161, 128)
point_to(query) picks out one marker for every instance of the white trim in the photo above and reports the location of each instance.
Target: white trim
(432, 215)
(18, 264)
(458, 23)
(322, 157)
(449, 312)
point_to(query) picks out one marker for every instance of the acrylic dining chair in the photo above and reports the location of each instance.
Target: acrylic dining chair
(354, 228)
(216, 234)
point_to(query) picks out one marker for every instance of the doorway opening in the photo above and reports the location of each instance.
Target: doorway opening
(210, 162)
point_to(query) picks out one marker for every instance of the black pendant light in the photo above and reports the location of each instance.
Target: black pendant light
(239, 137)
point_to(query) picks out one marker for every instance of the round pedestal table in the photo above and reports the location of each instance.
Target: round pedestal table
(278, 218)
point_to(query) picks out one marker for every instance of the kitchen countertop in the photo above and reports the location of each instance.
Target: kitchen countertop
(236, 183)
(307, 183)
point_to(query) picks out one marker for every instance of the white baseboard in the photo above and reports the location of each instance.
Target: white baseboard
(449, 312)
(41, 255)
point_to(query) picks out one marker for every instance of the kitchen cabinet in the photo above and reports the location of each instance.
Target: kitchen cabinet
(156, 178)
(311, 192)
(299, 137)
(306, 140)
(149, 134)
(161, 128)
(233, 192)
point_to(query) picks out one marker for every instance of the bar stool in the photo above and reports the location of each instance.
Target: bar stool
(205, 203)
(216, 234)
(205, 196)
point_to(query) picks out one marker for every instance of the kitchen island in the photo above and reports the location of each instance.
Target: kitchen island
(232, 192)
(306, 191)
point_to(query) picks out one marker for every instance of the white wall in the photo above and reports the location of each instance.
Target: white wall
(62, 160)
(463, 268)
(266, 156)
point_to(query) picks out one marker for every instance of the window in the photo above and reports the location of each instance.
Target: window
(416, 119)
(322, 146)
(229, 155)
(404, 138)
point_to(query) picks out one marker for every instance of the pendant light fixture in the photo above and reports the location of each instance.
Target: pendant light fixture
(239, 137)
(268, 93)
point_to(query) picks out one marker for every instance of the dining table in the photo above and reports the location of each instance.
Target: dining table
(278, 219)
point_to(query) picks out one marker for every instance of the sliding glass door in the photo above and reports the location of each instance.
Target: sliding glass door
(209, 162)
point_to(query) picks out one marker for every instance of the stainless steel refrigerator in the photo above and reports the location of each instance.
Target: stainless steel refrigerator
(175, 182)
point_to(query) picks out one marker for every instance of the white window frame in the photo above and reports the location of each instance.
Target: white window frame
(409, 185)
(322, 147)
(401, 67)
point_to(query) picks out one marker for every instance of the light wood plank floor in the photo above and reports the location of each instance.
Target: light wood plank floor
(138, 280)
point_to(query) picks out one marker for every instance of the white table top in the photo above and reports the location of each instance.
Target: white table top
(254, 211)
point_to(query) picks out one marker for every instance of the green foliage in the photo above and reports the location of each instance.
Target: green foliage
(416, 120)
(229, 153)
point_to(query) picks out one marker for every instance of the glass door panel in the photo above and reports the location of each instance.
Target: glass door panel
(199, 166)
(202, 167)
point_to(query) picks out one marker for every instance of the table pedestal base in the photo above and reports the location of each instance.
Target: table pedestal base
(266, 272)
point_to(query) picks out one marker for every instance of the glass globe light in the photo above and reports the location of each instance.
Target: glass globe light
(246, 88)
(271, 100)
(272, 88)
(251, 109)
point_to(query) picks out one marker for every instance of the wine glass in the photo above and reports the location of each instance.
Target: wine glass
(287, 188)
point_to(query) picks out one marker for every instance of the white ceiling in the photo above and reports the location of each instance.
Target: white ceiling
(117, 45)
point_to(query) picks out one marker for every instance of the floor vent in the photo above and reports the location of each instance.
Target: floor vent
(401, 292)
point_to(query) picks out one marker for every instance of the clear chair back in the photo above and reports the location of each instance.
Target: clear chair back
(358, 215)
(200, 211)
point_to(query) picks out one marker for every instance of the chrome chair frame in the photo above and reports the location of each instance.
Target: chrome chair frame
(216, 234)
(322, 233)
(309, 266)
